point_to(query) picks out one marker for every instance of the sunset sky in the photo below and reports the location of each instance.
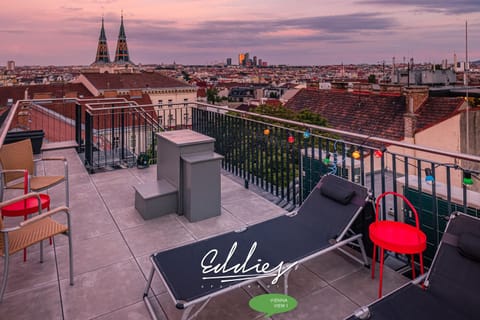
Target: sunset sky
(301, 32)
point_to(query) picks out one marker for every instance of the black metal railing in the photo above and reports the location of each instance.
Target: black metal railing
(283, 158)
(116, 134)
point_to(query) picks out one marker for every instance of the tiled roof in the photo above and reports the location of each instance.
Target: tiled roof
(372, 114)
(436, 110)
(57, 91)
(105, 81)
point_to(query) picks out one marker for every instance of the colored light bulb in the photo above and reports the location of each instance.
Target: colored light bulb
(266, 132)
(428, 176)
(467, 178)
(291, 139)
(378, 153)
(356, 154)
(327, 159)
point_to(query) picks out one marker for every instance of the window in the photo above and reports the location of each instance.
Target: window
(160, 102)
(170, 102)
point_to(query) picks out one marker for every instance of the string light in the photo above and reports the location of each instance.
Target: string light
(306, 134)
(291, 139)
(266, 131)
(356, 154)
(326, 160)
(467, 178)
(428, 176)
(378, 153)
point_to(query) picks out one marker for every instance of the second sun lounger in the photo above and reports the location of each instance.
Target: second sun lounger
(451, 286)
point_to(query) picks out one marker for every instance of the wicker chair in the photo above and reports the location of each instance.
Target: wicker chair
(19, 156)
(30, 232)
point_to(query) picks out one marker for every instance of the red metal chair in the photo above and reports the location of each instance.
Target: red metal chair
(26, 206)
(396, 236)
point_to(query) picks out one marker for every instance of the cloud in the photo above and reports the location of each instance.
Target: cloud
(342, 23)
(448, 7)
(251, 33)
(71, 9)
(12, 31)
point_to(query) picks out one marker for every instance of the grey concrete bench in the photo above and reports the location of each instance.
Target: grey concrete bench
(155, 199)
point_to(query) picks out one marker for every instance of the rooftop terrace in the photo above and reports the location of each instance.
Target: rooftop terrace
(279, 160)
(112, 244)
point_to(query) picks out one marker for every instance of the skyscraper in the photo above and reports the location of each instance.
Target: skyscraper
(102, 48)
(121, 54)
(10, 65)
(241, 59)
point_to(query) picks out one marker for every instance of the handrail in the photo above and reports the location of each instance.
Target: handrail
(13, 110)
(133, 104)
(462, 156)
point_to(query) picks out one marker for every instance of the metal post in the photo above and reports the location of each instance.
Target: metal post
(78, 126)
(88, 141)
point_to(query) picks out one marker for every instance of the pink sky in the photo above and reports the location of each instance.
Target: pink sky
(208, 31)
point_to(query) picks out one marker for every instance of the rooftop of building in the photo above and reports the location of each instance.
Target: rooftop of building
(106, 81)
(350, 111)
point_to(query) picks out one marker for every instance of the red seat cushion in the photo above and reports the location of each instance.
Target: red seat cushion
(398, 237)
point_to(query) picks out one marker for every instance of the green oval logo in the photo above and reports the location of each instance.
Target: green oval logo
(272, 303)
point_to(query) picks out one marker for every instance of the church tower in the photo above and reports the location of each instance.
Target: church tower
(102, 49)
(121, 54)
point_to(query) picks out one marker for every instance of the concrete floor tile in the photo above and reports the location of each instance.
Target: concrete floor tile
(31, 273)
(93, 253)
(103, 290)
(127, 217)
(159, 234)
(212, 226)
(146, 174)
(88, 224)
(333, 265)
(253, 210)
(232, 305)
(325, 304)
(137, 311)
(362, 289)
(118, 198)
(36, 303)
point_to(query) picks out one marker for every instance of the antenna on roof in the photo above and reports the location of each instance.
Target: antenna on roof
(465, 82)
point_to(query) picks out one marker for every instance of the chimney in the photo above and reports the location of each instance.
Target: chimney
(410, 124)
(415, 97)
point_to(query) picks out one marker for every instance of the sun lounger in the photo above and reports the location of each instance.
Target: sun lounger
(451, 286)
(197, 272)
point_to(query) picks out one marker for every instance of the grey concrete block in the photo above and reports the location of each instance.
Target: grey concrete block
(201, 185)
(156, 198)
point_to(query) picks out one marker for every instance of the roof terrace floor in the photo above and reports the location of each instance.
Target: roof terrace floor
(112, 245)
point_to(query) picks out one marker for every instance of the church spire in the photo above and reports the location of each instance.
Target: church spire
(121, 54)
(102, 48)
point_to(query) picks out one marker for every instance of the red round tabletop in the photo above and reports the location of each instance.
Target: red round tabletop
(26, 207)
(398, 237)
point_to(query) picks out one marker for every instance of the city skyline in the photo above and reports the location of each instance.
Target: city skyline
(205, 32)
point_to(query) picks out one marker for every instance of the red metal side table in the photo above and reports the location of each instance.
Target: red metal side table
(396, 236)
(26, 207)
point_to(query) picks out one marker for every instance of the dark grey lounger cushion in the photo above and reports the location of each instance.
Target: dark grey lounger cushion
(337, 192)
(469, 246)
